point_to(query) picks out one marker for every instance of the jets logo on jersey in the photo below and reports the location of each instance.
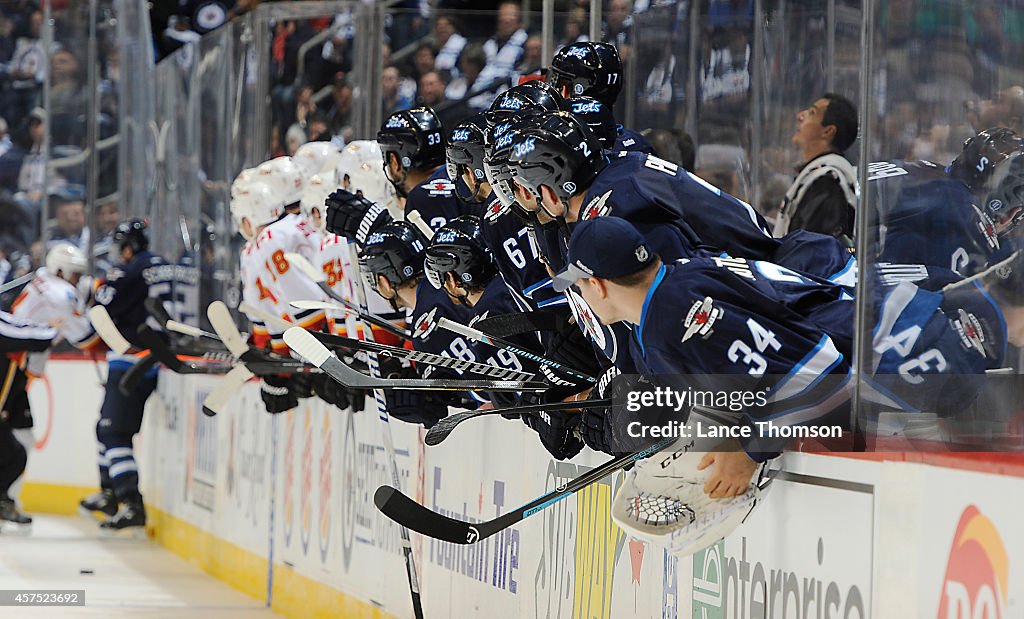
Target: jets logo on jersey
(425, 325)
(441, 187)
(598, 207)
(495, 211)
(701, 318)
(968, 327)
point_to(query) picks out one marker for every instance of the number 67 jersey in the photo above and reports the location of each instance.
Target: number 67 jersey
(716, 323)
(269, 281)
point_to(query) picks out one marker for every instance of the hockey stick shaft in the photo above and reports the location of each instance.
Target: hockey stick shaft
(416, 219)
(480, 336)
(407, 512)
(228, 386)
(389, 443)
(300, 262)
(131, 379)
(444, 427)
(308, 347)
(19, 281)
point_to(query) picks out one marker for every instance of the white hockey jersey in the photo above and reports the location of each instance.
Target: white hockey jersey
(269, 282)
(50, 300)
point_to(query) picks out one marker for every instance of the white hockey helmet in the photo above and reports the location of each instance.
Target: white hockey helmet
(317, 190)
(244, 177)
(67, 258)
(361, 168)
(257, 203)
(284, 178)
(315, 157)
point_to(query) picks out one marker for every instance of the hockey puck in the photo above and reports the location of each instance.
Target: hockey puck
(85, 570)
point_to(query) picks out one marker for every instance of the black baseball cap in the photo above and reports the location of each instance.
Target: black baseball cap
(605, 247)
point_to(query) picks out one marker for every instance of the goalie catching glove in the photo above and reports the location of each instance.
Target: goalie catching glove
(663, 500)
(353, 216)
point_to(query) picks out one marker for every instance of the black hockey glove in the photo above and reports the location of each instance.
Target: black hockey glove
(558, 432)
(596, 423)
(570, 347)
(301, 385)
(276, 395)
(353, 216)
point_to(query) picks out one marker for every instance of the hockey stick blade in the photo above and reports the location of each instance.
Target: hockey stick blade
(107, 330)
(479, 336)
(229, 386)
(131, 379)
(222, 322)
(443, 428)
(410, 514)
(311, 349)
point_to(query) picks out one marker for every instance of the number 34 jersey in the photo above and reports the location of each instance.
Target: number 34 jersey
(269, 281)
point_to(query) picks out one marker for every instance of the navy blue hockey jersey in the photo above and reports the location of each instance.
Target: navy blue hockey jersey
(764, 327)
(437, 202)
(632, 141)
(923, 215)
(431, 305)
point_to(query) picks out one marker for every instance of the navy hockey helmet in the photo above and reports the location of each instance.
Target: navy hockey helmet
(1004, 205)
(598, 117)
(588, 68)
(559, 151)
(982, 154)
(416, 137)
(132, 233)
(458, 247)
(395, 251)
(499, 148)
(533, 96)
(465, 152)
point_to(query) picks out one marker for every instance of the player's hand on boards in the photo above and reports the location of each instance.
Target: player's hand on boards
(731, 471)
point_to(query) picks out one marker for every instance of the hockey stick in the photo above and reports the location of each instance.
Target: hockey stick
(389, 448)
(408, 513)
(163, 353)
(229, 386)
(155, 308)
(338, 341)
(480, 336)
(299, 261)
(311, 349)
(416, 219)
(523, 323)
(184, 329)
(107, 330)
(16, 282)
(131, 379)
(440, 430)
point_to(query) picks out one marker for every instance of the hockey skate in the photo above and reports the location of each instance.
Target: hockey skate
(12, 520)
(129, 521)
(103, 501)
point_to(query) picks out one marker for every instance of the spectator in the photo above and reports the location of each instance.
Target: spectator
(394, 90)
(68, 204)
(23, 169)
(423, 60)
(293, 139)
(5, 138)
(504, 50)
(339, 115)
(432, 95)
(318, 128)
(107, 218)
(304, 104)
(25, 71)
(67, 98)
(823, 196)
(618, 26)
(450, 45)
(532, 60)
(1006, 109)
(471, 66)
(575, 28)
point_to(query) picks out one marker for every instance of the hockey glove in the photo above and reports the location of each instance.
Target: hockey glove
(276, 396)
(570, 347)
(596, 423)
(353, 216)
(301, 385)
(557, 432)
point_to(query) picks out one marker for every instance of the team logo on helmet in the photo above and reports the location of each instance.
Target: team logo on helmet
(577, 52)
(374, 239)
(478, 173)
(522, 148)
(460, 135)
(701, 318)
(569, 187)
(510, 103)
(445, 236)
(578, 89)
(406, 162)
(586, 107)
(501, 129)
(598, 207)
(503, 141)
(407, 271)
(466, 277)
(397, 122)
